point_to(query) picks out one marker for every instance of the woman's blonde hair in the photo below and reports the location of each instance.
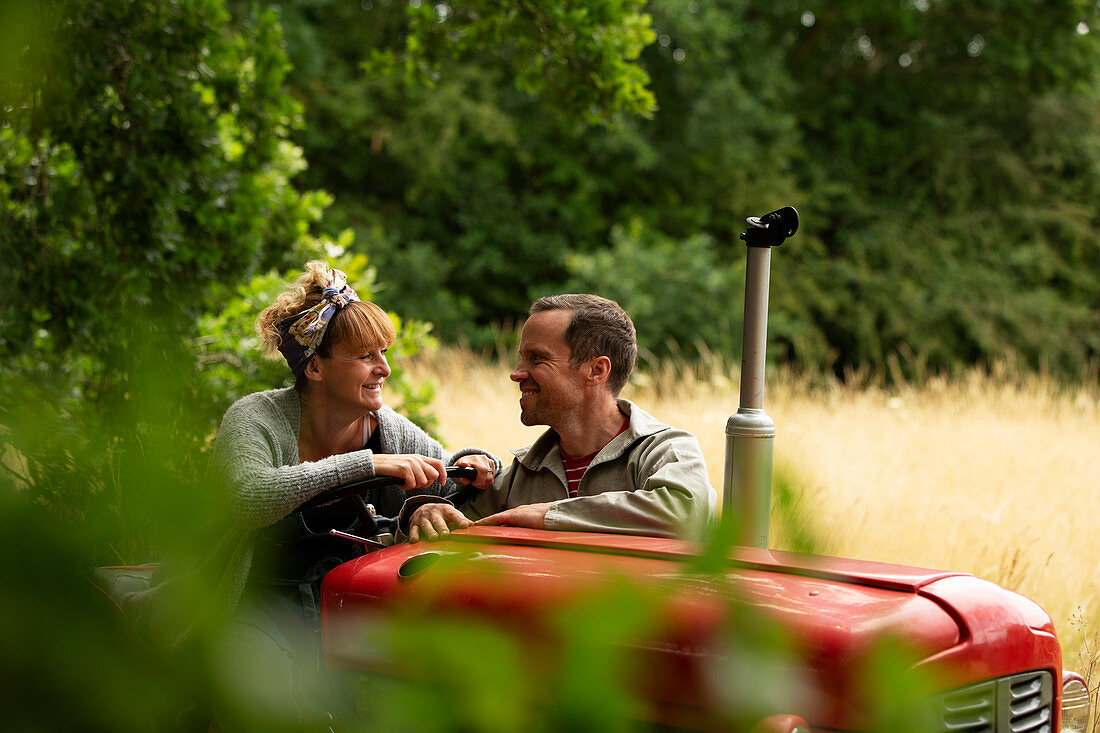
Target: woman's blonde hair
(360, 323)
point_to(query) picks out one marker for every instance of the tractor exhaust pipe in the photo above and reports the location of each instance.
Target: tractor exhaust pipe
(750, 434)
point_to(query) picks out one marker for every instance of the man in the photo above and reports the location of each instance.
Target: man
(604, 464)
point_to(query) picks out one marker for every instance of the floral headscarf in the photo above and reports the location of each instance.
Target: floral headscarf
(303, 332)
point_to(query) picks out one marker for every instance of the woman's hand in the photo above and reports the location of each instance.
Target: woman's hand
(417, 471)
(486, 469)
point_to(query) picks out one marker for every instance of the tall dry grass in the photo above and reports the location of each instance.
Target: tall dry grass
(998, 476)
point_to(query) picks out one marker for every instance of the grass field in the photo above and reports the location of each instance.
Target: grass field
(992, 475)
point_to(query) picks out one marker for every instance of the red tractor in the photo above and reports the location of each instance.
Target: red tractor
(990, 658)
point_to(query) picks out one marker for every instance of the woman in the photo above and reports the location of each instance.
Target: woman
(277, 449)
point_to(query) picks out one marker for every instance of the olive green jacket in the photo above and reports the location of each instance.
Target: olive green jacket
(651, 479)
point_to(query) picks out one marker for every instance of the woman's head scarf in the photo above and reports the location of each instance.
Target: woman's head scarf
(303, 332)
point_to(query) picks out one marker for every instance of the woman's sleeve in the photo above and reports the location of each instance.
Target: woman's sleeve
(249, 460)
(414, 440)
(410, 438)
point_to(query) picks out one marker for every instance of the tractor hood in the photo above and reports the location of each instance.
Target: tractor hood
(835, 613)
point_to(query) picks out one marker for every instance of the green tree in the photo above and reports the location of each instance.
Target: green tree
(145, 170)
(942, 155)
(471, 195)
(147, 176)
(677, 292)
(144, 160)
(426, 119)
(953, 151)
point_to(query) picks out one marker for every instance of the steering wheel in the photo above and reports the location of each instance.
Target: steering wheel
(373, 524)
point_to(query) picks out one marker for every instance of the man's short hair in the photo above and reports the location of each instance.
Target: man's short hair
(599, 327)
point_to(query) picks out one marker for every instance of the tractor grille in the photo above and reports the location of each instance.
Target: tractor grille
(1022, 703)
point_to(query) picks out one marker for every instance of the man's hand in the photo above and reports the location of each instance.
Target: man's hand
(486, 469)
(432, 521)
(528, 515)
(417, 471)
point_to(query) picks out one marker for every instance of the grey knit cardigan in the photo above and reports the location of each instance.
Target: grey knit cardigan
(256, 459)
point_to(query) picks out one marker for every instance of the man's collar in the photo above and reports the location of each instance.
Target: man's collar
(545, 447)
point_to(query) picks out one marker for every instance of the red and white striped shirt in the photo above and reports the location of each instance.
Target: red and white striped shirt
(575, 466)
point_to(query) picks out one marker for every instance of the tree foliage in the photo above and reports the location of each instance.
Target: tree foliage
(966, 136)
(153, 169)
(669, 287)
(943, 156)
(151, 194)
(145, 175)
(145, 159)
(575, 56)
